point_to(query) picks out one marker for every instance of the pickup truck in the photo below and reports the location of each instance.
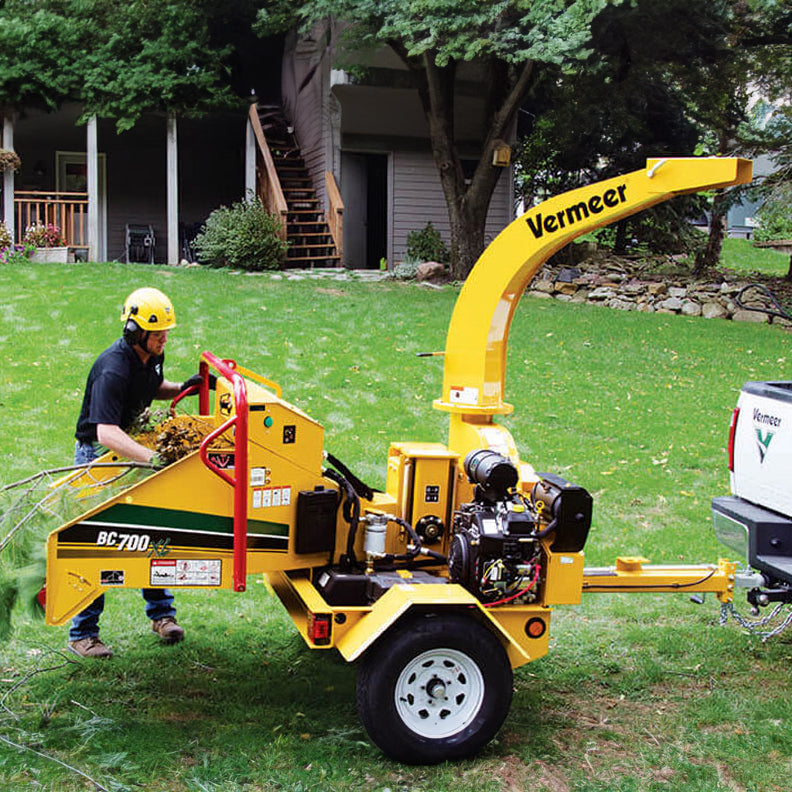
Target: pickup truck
(755, 521)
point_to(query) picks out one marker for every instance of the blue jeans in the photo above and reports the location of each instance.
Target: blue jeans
(159, 602)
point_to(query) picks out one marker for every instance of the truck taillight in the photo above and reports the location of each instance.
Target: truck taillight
(732, 431)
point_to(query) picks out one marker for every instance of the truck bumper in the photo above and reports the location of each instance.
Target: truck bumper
(762, 537)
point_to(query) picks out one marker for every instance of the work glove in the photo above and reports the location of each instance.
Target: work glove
(157, 461)
(197, 379)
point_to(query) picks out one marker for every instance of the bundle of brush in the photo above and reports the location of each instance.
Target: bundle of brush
(34, 506)
(172, 437)
(29, 510)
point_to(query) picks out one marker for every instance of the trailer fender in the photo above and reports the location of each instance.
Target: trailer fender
(512, 625)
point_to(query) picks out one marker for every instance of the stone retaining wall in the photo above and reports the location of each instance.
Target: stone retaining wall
(615, 286)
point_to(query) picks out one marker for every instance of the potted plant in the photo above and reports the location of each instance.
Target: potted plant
(47, 242)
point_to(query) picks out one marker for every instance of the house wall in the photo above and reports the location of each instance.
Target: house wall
(418, 199)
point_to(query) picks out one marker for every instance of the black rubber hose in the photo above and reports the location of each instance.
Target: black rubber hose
(362, 489)
(410, 530)
(351, 512)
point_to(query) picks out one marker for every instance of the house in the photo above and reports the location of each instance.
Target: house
(370, 133)
(344, 160)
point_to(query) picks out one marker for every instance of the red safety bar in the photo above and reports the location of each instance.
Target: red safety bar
(202, 390)
(239, 421)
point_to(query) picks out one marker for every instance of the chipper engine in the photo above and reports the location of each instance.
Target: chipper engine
(437, 587)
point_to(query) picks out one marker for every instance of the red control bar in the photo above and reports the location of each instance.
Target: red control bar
(239, 422)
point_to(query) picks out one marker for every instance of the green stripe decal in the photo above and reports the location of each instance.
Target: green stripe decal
(155, 517)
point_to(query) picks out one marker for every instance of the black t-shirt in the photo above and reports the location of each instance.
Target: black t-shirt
(120, 386)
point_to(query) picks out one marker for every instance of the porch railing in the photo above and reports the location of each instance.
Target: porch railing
(335, 214)
(269, 187)
(67, 210)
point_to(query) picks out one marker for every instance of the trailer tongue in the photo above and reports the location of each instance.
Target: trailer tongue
(440, 585)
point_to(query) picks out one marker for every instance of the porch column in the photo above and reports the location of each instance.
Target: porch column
(8, 178)
(92, 167)
(250, 161)
(173, 191)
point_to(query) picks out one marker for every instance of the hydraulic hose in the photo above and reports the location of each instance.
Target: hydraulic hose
(351, 512)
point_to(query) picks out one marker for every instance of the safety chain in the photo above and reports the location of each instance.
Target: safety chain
(728, 609)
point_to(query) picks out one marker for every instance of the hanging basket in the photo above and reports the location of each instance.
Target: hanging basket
(9, 160)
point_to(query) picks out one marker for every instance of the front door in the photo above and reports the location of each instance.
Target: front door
(364, 191)
(72, 176)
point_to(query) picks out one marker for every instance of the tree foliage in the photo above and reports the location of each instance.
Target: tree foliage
(656, 79)
(158, 55)
(120, 59)
(37, 44)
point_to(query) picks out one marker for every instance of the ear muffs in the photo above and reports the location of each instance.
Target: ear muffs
(133, 333)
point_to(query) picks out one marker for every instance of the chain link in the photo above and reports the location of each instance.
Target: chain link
(755, 625)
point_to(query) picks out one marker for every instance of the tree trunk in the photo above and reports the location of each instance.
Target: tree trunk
(467, 236)
(467, 204)
(620, 245)
(709, 257)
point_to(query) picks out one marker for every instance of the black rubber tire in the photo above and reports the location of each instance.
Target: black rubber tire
(465, 640)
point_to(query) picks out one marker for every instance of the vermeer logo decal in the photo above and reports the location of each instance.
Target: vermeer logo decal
(764, 426)
(540, 224)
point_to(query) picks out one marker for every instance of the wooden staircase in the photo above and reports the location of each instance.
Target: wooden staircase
(311, 242)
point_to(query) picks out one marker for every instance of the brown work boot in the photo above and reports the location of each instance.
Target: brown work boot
(168, 630)
(89, 647)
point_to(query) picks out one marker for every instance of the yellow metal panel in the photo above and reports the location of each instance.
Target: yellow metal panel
(511, 622)
(563, 578)
(393, 604)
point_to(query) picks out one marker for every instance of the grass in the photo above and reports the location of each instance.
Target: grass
(741, 255)
(639, 692)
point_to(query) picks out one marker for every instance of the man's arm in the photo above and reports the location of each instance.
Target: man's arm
(116, 439)
(168, 390)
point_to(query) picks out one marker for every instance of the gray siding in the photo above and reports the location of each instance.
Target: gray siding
(418, 199)
(305, 81)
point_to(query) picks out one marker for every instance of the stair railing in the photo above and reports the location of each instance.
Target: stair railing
(267, 181)
(335, 214)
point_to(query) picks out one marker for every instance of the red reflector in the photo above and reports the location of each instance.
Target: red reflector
(732, 431)
(320, 628)
(535, 628)
(41, 597)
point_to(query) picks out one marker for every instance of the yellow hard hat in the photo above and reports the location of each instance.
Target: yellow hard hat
(149, 309)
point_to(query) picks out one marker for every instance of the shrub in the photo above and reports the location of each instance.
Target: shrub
(406, 269)
(427, 245)
(5, 236)
(243, 235)
(41, 235)
(775, 217)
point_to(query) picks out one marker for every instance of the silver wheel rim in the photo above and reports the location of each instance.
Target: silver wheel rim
(439, 693)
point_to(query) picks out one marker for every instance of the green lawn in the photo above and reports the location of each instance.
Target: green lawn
(639, 692)
(741, 256)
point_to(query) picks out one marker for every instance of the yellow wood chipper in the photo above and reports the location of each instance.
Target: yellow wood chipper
(437, 587)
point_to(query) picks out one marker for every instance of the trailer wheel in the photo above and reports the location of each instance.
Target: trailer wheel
(436, 688)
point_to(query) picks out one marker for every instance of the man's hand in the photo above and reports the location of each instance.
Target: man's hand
(197, 379)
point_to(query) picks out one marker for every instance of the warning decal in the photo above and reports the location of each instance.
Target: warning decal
(468, 396)
(187, 572)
